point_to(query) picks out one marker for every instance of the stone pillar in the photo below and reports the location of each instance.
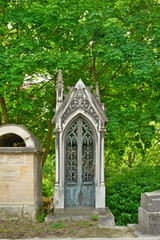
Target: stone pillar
(100, 189)
(149, 213)
(102, 158)
(57, 156)
(58, 189)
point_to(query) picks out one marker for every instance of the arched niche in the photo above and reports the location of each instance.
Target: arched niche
(13, 135)
(11, 140)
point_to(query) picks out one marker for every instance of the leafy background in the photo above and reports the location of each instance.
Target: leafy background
(111, 45)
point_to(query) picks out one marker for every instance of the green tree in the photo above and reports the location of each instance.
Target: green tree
(112, 45)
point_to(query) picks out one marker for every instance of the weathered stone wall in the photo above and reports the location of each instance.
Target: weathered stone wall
(20, 176)
(149, 213)
(16, 178)
(20, 185)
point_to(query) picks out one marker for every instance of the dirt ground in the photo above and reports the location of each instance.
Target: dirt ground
(13, 229)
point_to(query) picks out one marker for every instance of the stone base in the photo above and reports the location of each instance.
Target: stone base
(85, 211)
(106, 220)
(149, 222)
(20, 212)
(105, 217)
(58, 197)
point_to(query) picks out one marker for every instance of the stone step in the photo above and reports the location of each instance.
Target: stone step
(105, 217)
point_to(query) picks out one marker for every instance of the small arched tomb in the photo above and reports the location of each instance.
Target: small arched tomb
(20, 173)
(12, 135)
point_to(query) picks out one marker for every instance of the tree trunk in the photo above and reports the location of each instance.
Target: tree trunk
(4, 110)
(18, 118)
(48, 142)
(0, 118)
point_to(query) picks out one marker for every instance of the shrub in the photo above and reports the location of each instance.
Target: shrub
(123, 191)
(48, 179)
(41, 217)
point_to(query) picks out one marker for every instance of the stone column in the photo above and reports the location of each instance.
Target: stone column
(100, 189)
(102, 157)
(58, 189)
(57, 156)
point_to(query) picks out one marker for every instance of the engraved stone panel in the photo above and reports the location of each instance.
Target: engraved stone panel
(17, 176)
(11, 160)
(8, 174)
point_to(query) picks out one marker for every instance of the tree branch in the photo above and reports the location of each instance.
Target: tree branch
(52, 33)
(103, 69)
(114, 75)
(81, 67)
(84, 45)
(152, 147)
(131, 3)
(42, 86)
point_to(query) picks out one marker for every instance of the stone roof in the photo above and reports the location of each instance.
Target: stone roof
(8, 131)
(78, 97)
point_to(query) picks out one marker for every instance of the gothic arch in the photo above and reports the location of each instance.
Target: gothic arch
(75, 116)
(79, 164)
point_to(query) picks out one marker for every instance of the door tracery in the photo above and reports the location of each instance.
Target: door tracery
(79, 165)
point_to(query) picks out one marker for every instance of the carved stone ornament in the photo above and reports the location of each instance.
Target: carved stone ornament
(80, 101)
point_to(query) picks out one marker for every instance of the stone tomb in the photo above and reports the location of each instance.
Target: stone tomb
(20, 173)
(149, 213)
(79, 127)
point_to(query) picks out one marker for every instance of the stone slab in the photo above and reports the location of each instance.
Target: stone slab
(141, 238)
(20, 212)
(105, 217)
(151, 201)
(106, 220)
(139, 233)
(149, 222)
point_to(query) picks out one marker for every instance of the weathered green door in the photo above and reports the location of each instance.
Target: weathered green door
(79, 165)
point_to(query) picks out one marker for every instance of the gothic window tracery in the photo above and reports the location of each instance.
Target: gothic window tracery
(80, 152)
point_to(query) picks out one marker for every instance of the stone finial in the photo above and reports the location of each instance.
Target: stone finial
(59, 89)
(97, 91)
(80, 84)
(59, 82)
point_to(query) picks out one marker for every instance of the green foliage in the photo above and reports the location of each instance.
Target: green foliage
(114, 43)
(71, 231)
(123, 191)
(48, 179)
(94, 217)
(41, 217)
(58, 225)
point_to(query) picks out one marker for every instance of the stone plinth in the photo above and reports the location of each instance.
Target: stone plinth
(105, 217)
(20, 174)
(149, 213)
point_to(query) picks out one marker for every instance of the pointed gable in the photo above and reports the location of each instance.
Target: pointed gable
(80, 99)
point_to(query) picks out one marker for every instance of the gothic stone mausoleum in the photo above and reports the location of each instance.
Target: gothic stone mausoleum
(79, 127)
